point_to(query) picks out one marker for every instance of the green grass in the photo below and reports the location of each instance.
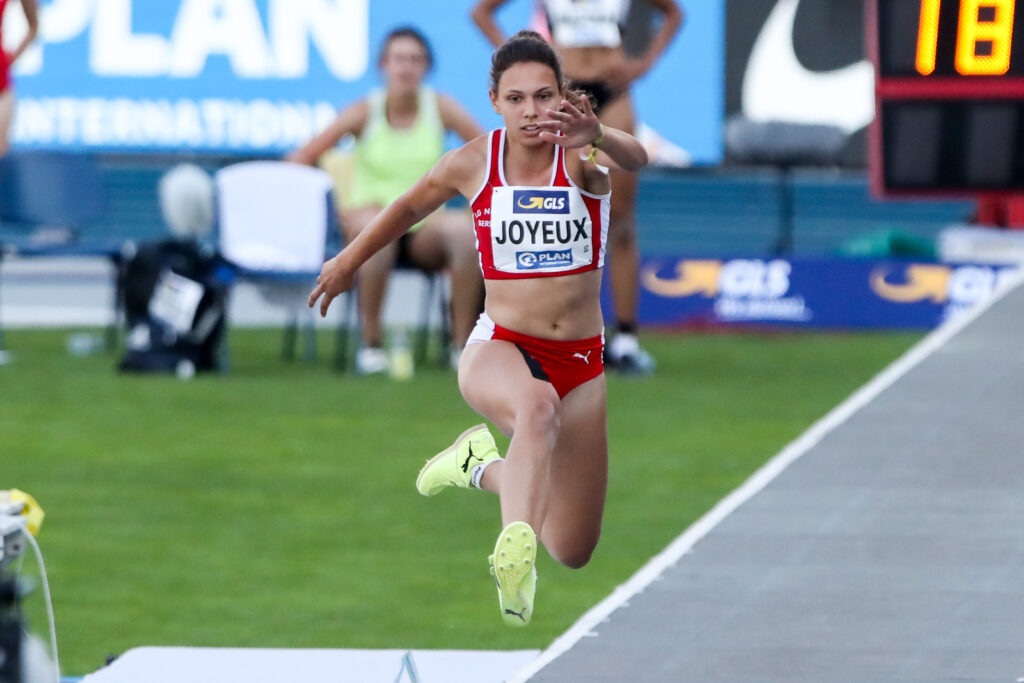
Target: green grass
(275, 506)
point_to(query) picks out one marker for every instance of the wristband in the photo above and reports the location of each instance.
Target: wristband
(595, 143)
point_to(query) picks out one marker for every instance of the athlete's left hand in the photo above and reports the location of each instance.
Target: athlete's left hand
(578, 125)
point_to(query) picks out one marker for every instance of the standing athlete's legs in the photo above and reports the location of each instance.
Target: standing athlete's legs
(622, 226)
(624, 259)
(623, 253)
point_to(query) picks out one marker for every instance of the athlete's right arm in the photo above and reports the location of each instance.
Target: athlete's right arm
(350, 121)
(456, 172)
(483, 16)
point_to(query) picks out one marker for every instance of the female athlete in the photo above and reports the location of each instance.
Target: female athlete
(533, 363)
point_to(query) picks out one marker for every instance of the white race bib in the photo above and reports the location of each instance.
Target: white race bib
(540, 230)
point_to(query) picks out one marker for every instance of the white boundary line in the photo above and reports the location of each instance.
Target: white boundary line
(682, 544)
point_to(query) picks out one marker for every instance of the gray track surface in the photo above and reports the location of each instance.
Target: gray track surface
(891, 551)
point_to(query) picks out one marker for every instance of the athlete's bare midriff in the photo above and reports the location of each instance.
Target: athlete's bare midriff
(589, 63)
(563, 308)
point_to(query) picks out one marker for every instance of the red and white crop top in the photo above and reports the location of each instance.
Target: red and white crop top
(525, 232)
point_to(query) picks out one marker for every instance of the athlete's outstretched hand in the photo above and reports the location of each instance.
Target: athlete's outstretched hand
(577, 124)
(335, 277)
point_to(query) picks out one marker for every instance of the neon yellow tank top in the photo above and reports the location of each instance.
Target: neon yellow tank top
(388, 161)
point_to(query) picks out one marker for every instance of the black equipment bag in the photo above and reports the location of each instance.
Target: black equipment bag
(175, 300)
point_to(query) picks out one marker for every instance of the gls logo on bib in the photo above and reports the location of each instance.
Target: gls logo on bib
(540, 201)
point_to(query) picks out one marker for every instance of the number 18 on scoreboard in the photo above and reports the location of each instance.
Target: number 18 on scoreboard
(949, 93)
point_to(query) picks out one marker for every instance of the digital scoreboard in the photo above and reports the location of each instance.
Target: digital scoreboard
(949, 95)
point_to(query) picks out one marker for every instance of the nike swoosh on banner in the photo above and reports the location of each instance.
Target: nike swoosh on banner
(777, 87)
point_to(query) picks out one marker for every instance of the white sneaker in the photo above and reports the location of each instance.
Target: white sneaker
(623, 345)
(371, 360)
(625, 355)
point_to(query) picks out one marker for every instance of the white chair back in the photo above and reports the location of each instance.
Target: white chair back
(273, 215)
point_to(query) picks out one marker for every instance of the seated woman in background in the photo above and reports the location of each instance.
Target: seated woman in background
(399, 132)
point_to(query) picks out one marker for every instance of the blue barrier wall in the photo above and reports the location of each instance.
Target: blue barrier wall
(697, 212)
(725, 212)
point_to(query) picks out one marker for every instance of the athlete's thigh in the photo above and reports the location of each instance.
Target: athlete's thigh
(579, 467)
(497, 383)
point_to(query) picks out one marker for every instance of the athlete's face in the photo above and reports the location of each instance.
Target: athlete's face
(404, 63)
(525, 92)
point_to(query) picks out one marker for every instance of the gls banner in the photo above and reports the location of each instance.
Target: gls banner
(263, 76)
(817, 293)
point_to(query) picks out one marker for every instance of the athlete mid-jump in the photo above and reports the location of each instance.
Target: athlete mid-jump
(522, 368)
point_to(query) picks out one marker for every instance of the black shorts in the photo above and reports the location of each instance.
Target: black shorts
(599, 91)
(404, 256)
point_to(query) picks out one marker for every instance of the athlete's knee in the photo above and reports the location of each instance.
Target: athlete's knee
(574, 550)
(540, 412)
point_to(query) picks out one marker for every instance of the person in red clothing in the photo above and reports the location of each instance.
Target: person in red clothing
(6, 61)
(533, 363)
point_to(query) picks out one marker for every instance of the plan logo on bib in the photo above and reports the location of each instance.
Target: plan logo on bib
(531, 260)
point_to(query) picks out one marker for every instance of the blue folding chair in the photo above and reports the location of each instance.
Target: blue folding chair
(46, 199)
